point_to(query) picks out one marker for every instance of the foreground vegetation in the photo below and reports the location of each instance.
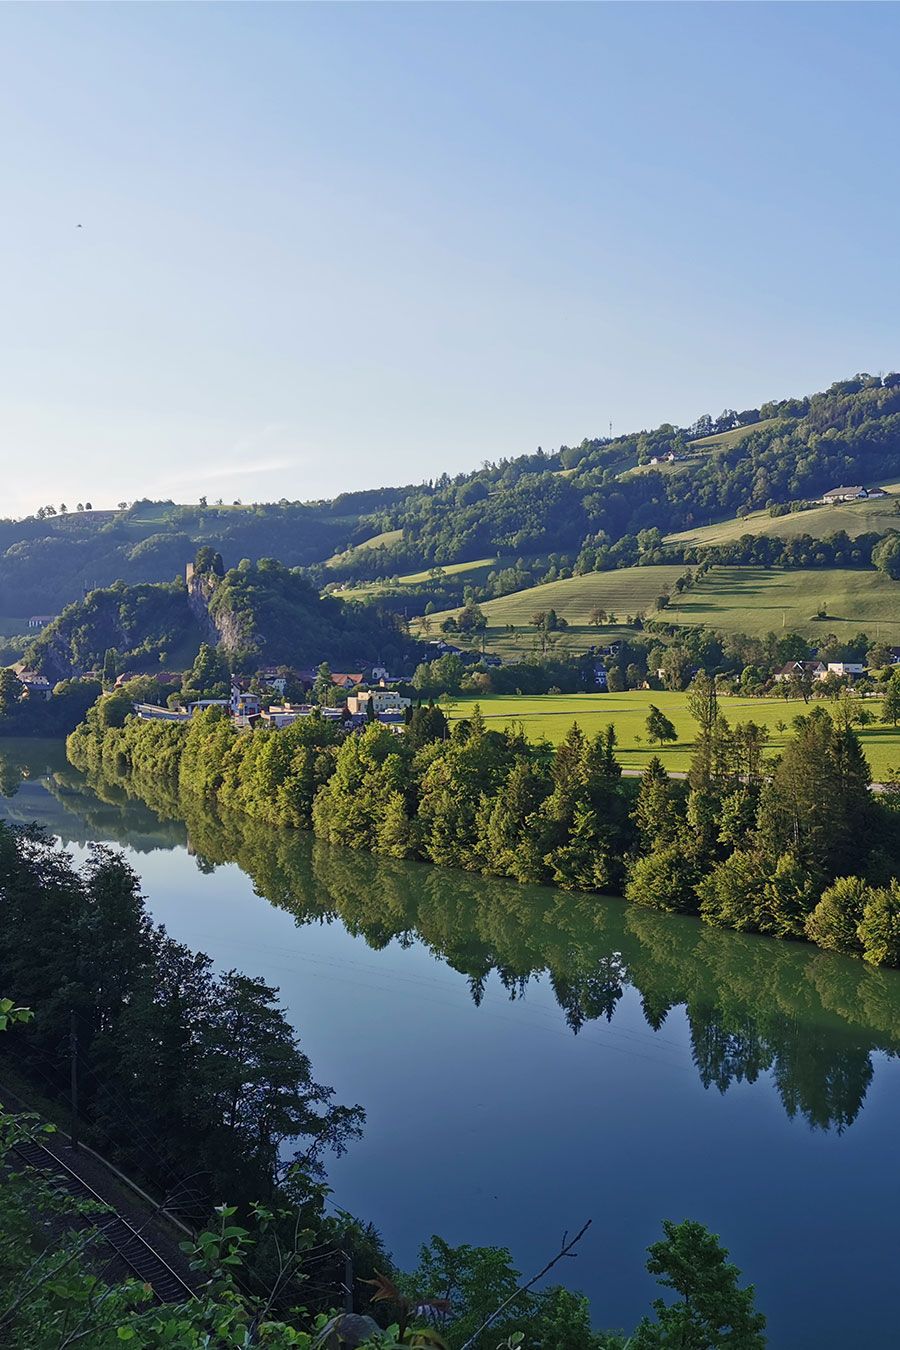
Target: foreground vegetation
(757, 848)
(162, 1039)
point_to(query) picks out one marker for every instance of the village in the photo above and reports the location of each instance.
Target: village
(359, 697)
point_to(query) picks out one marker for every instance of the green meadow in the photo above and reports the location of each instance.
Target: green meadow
(549, 716)
(386, 538)
(866, 517)
(704, 446)
(475, 571)
(754, 600)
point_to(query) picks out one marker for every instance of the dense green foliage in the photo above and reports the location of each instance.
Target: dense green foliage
(266, 611)
(238, 1049)
(788, 451)
(742, 849)
(47, 562)
(255, 612)
(144, 624)
(207, 1066)
(37, 716)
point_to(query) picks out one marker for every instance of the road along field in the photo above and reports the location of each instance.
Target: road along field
(549, 716)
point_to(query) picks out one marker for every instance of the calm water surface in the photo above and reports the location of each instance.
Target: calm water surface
(529, 1059)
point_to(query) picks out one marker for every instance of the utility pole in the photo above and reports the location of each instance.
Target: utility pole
(73, 1076)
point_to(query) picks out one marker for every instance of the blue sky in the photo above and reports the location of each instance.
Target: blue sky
(344, 245)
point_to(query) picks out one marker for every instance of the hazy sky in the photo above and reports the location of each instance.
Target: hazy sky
(343, 245)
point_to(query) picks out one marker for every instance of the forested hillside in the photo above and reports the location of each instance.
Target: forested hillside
(147, 626)
(266, 612)
(785, 451)
(257, 613)
(578, 506)
(49, 560)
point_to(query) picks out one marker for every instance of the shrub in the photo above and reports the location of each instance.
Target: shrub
(835, 921)
(879, 931)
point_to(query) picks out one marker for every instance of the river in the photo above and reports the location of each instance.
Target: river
(529, 1059)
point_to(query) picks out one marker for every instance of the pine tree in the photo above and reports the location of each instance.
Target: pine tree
(655, 814)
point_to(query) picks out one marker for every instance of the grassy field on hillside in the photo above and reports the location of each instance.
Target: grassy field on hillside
(760, 600)
(551, 716)
(724, 440)
(754, 600)
(624, 592)
(876, 517)
(473, 571)
(386, 538)
(703, 447)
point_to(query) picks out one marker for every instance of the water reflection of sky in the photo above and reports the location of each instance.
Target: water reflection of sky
(495, 1124)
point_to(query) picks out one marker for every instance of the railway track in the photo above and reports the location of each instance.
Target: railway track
(128, 1244)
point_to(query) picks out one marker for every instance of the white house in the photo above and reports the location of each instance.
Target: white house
(382, 701)
(814, 669)
(241, 704)
(284, 714)
(846, 669)
(274, 680)
(35, 686)
(851, 494)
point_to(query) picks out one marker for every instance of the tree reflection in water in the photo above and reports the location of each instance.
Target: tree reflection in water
(754, 1006)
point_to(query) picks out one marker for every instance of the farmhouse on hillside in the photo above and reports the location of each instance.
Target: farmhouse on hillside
(851, 494)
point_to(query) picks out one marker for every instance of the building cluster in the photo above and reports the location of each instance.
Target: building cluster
(35, 685)
(821, 670)
(248, 709)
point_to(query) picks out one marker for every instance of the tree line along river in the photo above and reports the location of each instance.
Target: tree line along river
(530, 1058)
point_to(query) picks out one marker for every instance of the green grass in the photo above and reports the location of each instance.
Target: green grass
(473, 571)
(753, 600)
(666, 469)
(551, 715)
(759, 600)
(386, 538)
(724, 440)
(876, 517)
(623, 592)
(703, 447)
(626, 592)
(482, 565)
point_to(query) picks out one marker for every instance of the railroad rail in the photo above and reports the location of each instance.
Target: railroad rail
(118, 1233)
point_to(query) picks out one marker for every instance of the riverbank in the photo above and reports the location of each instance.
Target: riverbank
(481, 1022)
(744, 845)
